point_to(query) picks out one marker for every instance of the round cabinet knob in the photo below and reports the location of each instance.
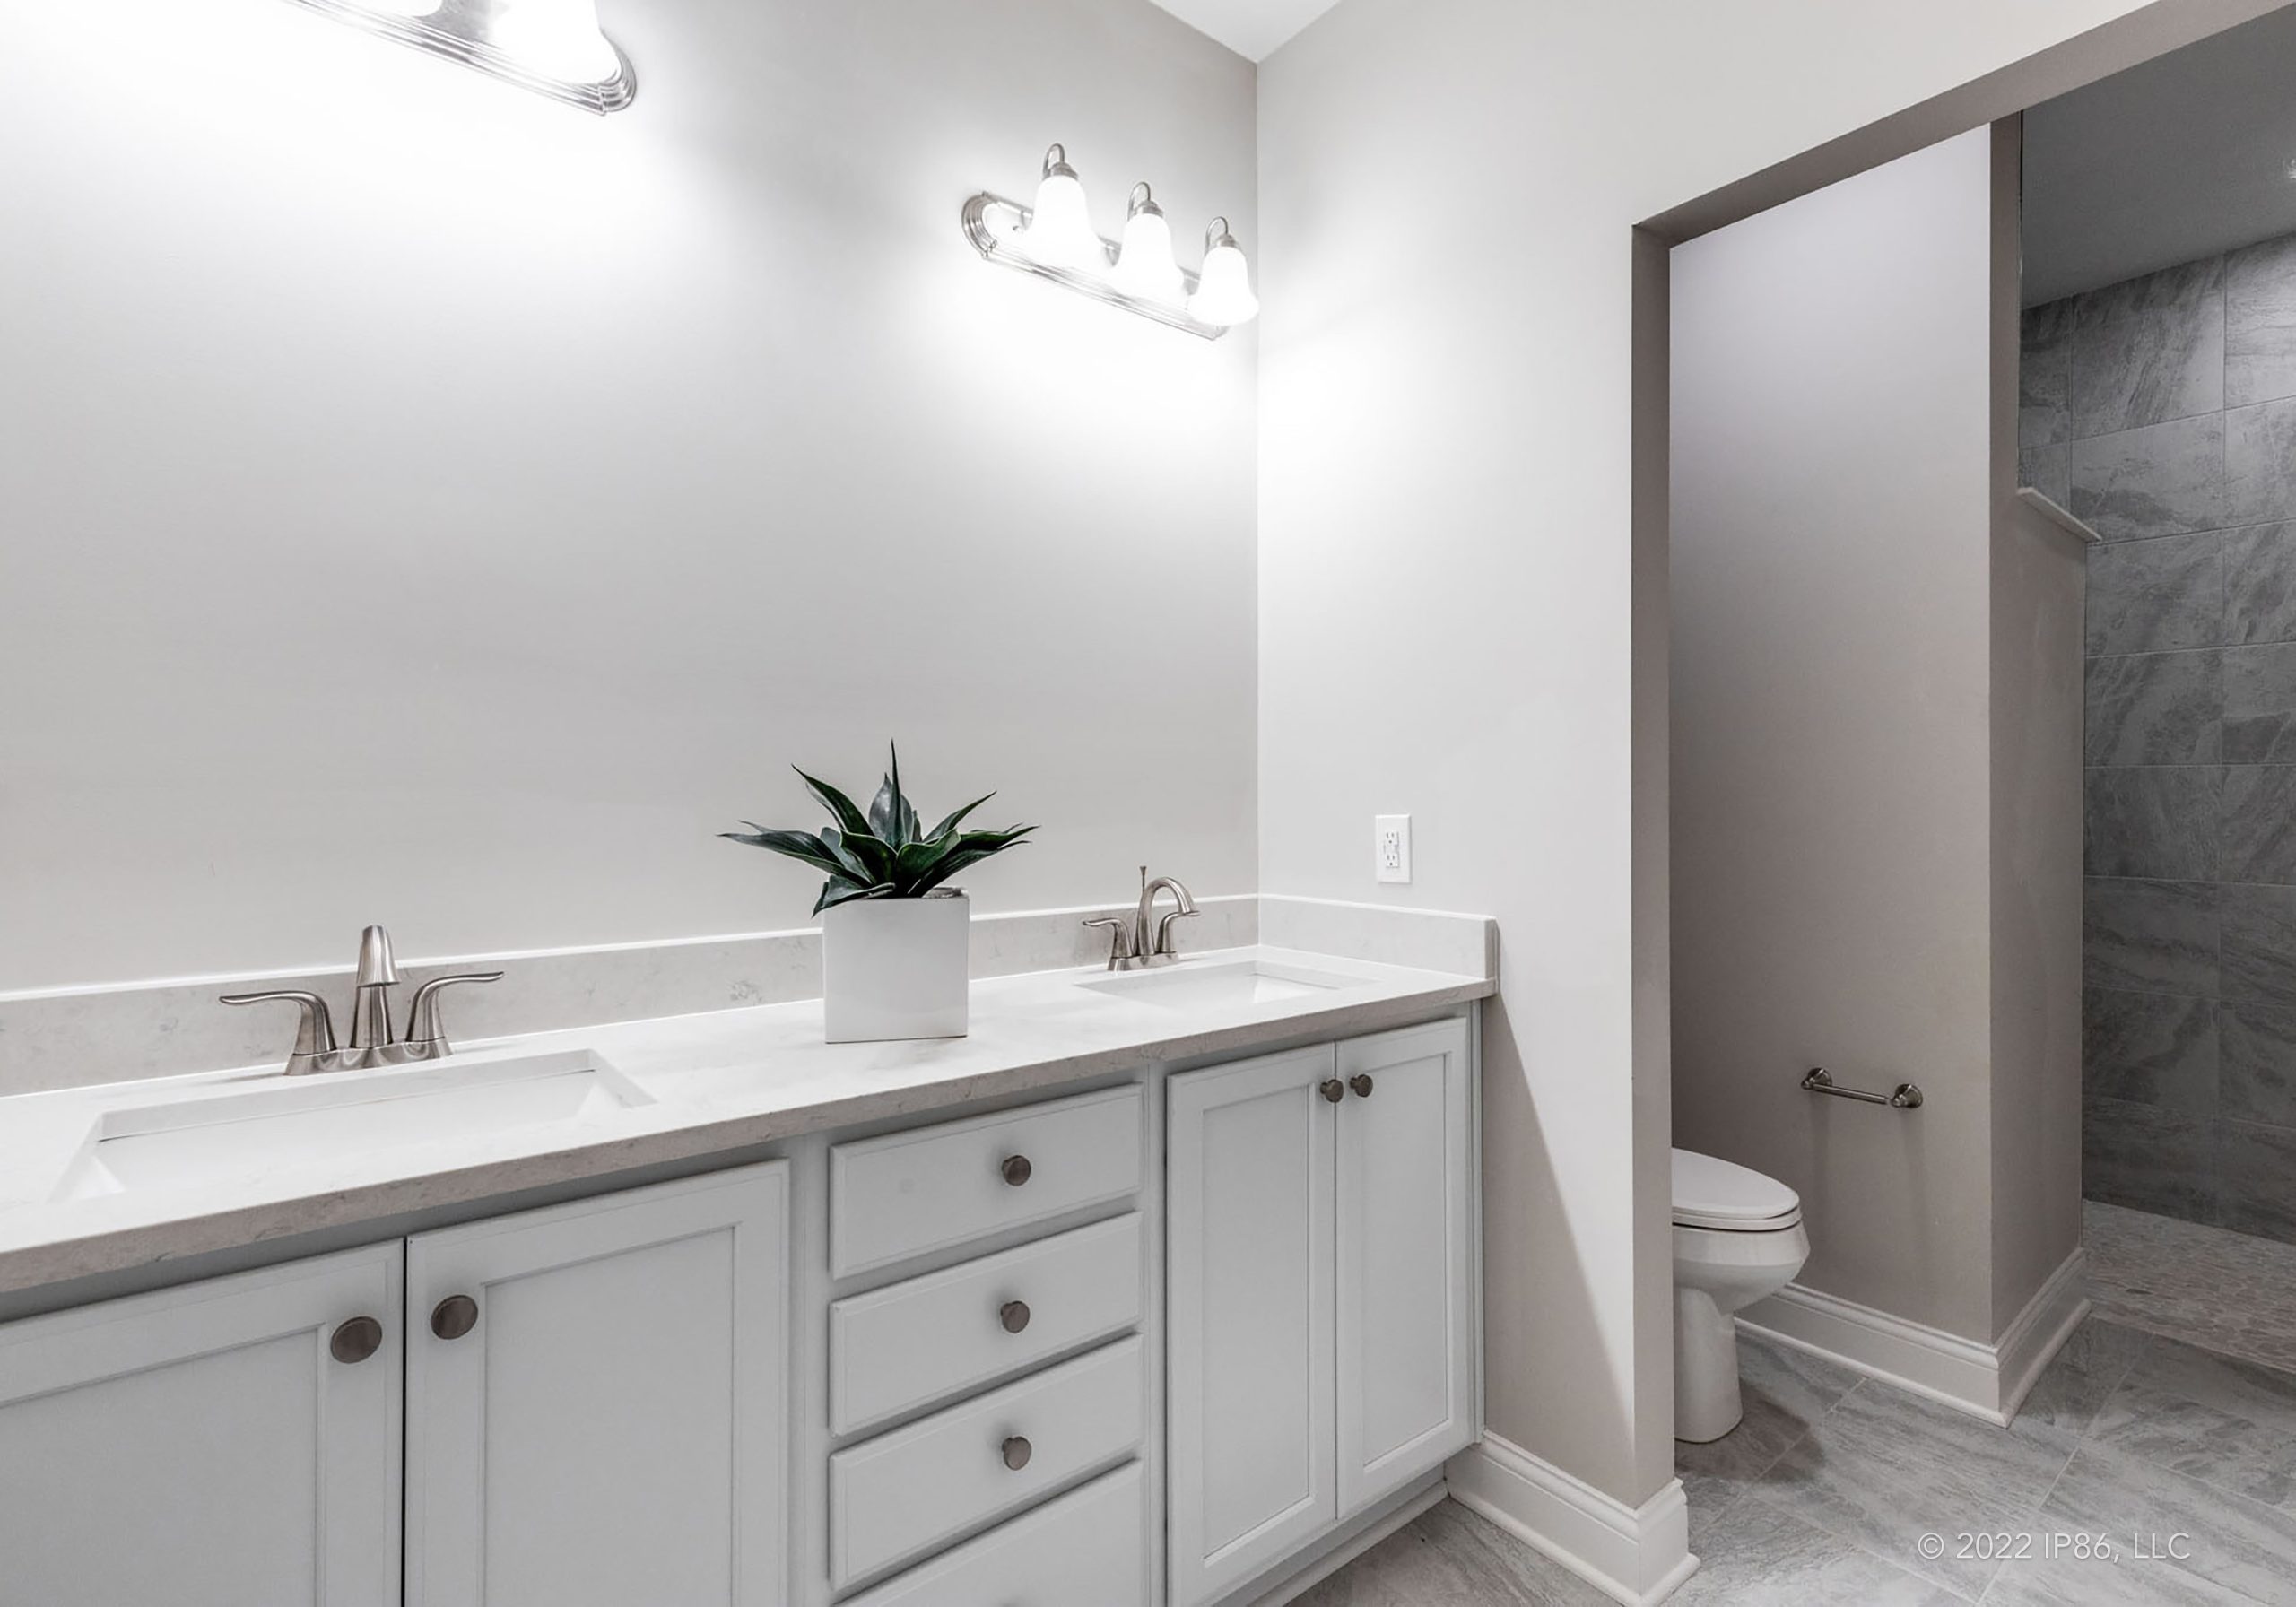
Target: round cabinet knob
(355, 1341)
(1017, 1169)
(1014, 1316)
(1362, 1085)
(453, 1316)
(1335, 1090)
(1017, 1452)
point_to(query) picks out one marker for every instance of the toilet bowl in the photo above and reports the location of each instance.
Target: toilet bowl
(1737, 1237)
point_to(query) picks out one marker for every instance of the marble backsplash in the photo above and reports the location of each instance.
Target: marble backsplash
(83, 1037)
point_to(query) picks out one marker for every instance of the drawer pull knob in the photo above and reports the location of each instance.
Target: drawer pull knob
(1017, 1452)
(1017, 1169)
(1362, 1085)
(355, 1341)
(453, 1316)
(1014, 1316)
(1335, 1090)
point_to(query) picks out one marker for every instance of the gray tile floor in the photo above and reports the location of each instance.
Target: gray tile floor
(1824, 1494)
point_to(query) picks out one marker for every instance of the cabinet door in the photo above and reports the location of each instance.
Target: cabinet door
(1251, 1449)
(611, 1428)
(203, 1447)
(1407, 1259)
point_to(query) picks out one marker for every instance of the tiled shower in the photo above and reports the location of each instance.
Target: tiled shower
(2163, 411)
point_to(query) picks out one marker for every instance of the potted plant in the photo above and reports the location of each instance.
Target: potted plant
(895, 937)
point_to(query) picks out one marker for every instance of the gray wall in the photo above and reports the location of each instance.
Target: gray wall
(426, 503)
(1876, 858)
(1448, 556)
(2162, 411)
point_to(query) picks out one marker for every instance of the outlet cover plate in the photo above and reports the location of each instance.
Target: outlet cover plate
(1391, 848)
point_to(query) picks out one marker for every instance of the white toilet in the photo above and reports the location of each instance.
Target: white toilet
(1737, 1237)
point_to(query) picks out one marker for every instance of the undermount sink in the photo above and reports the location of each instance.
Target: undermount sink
(282, 1121)
(1189, 985)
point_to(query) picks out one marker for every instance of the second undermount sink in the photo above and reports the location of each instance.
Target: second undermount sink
(1189, 984)
(239, 1131)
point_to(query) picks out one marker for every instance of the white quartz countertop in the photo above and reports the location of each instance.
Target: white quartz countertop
(720, 1081)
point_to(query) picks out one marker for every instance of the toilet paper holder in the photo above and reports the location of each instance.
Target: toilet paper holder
(1904, 1097)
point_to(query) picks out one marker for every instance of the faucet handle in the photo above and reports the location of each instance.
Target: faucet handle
(1119, 938)
(426, 1031)
(314, 1034)
(1164, 929)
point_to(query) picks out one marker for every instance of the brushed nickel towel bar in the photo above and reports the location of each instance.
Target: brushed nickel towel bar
(1904, 1097)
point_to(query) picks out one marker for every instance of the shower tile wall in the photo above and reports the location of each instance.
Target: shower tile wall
(2162, 411)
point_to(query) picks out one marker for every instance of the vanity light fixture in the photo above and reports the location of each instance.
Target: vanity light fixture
(1224, 294)
(1054, 239)
(555, 48)
(1144, 264)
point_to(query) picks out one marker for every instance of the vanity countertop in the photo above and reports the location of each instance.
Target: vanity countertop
(719, 1081)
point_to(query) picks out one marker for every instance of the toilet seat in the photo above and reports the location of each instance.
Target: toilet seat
(1721, 1197)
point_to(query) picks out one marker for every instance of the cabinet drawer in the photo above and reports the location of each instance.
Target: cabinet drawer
(909, 1346)
(905, 1493)
(906, 1193)
(1087, 1547)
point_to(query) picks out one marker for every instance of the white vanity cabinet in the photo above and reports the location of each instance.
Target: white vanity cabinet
(1160, 1342)
(232, 1443)
(596, 1401)
(603, 1423)
(1321, 1302)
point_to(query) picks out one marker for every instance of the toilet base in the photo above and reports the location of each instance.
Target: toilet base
(1707, 1403)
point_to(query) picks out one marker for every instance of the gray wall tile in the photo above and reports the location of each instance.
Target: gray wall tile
(2045, 375)
(2259, 691)
(2159, 595)
(2256, 836)
(2163, 290)
(2149, 1158)
(2155, 708)
(2165, 407)
(2256, 1062)
(2259, 583)
(2157, 822)
(2162, 480)
(2150, 1049)
(2158, 937)
(2149, 350)
(2260, 322)
(2259, 463)
(2258, 1170)
(2048, 470)
(2257, 927)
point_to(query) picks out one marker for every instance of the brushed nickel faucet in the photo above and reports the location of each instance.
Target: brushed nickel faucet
(374, 1042)
(1136, 944)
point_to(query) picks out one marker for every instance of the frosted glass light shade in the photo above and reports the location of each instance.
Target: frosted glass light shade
(1223, 295)
(1144, 264)
(557, 39)
(1060, 232)
(555, 48)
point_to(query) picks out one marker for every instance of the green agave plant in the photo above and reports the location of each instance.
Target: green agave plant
(881, 854)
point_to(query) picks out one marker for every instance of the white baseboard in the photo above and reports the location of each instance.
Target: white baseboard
(1984, 1380)
(1638, 1555)
(2048, 1319)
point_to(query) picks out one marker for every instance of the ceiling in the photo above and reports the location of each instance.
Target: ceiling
(2181, 158)
(1250, 28)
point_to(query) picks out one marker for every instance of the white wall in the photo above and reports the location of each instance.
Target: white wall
(423, 503)
(1449, 191)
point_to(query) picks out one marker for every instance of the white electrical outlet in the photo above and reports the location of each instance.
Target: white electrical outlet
(1391, 847)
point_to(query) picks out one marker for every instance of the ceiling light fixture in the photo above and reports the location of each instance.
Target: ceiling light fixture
(1054, 239)
(555, 48)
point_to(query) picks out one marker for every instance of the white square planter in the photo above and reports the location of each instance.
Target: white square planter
(897, 968)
